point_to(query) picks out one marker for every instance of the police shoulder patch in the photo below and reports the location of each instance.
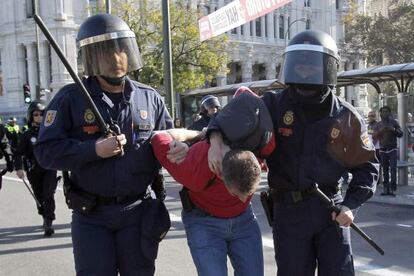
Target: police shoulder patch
(50, 118)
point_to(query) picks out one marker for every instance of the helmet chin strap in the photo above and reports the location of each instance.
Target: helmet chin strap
(114, 81)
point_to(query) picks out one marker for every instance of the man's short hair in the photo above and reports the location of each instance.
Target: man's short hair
(385, 107)
(241, 170)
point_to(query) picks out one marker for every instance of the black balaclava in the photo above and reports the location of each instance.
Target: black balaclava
(308, 94)
(114, 81)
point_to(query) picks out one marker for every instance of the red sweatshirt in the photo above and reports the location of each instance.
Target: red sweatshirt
(195, 174)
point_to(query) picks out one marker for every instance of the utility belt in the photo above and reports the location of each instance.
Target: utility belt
(270, 197)
(84, 202)
(297, 196)
(387, 149)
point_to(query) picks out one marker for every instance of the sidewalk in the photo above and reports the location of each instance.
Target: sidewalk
(404, 194)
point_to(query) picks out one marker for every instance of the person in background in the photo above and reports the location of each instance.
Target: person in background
(209, 106)
(410, 129)
(386, 132)
(372, 123)
(43, 181)
(116, 225)
(12, 134)
(319, 137)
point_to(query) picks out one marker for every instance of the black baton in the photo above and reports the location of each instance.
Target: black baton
(337, 210)
(31, 192)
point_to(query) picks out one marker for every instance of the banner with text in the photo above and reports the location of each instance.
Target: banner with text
(235, 14)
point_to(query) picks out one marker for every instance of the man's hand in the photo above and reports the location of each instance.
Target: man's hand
(345, 217)
(216, 153)
(110, 146)
(178, 152)
(20, 174)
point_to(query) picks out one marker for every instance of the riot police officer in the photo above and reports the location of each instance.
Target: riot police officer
(319, 137)
(43, 181)
(109, 174)
(209, 106)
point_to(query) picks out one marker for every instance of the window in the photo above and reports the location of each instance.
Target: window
(306, 3)
(251, 28)
(30, 8)
(288, 23)
(242, 29)
(308, 24)
(281, 27)
(258, 27)
(275, 25)
(234, 31)
(266, 27)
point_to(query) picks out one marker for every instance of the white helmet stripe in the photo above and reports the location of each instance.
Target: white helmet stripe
(104, 37)
(311, 47)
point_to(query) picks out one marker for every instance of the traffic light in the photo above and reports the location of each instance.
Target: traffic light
(26, 94)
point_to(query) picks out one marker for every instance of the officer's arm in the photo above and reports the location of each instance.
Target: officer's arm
(21, 150)
(191, 170)
(55, 148)
(361, 162)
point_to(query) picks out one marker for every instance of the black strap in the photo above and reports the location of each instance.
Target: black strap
(101, 200)
(296, 196)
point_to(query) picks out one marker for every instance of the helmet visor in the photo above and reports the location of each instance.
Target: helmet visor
(111, 57)
(308, 67)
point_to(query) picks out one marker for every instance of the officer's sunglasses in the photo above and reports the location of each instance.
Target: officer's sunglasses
(36, 114)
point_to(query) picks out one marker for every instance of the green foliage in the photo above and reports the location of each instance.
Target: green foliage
(380, 37)
(194, 63)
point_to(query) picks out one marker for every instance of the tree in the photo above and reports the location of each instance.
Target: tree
(381, 39)
(194, 62)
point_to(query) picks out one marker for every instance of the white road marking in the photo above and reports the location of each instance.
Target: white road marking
(405, 225)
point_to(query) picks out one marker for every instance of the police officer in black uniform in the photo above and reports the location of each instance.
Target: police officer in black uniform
(319, 137)
(109, 174)
(210, 105)
(43, 181)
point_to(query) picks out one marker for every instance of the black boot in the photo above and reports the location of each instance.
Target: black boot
(47, 226)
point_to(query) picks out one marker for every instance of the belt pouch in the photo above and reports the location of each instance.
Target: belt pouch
(80, 201)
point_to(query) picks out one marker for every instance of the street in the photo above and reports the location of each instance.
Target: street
(24, 250)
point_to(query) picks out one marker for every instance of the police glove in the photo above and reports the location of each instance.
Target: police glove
(110, 146)
(345, 217)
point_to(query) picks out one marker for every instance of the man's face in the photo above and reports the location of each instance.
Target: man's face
(212, 110)
(371, 117)
(114, 64)
(242, 196)
(385, 113)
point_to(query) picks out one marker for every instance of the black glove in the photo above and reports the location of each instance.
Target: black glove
(158, 186)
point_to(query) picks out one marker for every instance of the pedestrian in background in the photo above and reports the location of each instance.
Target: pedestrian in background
(42, 181)
(116, 225)
(387, 131)
(319, 137)
(5, 153)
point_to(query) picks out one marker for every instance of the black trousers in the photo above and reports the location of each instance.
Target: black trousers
(44, 184)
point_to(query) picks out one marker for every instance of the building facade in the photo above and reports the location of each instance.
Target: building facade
(255, 49)
(25, 55)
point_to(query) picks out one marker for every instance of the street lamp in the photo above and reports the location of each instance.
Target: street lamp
(303, 19)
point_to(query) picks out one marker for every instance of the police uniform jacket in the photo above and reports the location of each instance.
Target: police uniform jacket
(320, 151)
(24, 150)
(69, 132)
